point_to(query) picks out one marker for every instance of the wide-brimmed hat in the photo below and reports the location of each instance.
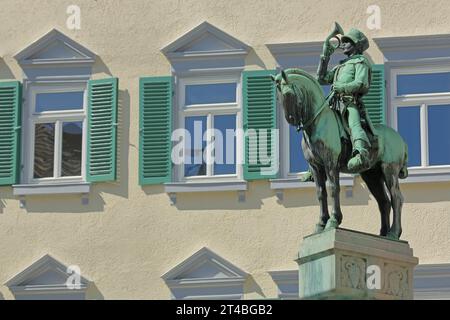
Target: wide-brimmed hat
(358, 38)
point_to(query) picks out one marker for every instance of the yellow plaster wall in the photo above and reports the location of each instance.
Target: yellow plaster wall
(128, 236)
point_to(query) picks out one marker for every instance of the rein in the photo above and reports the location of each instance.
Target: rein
(308, 123)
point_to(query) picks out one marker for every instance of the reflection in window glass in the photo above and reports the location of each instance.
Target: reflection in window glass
(297, 162)
(195, 164)
(72, 137)
(44, 150)
(225, 154)
(439, 135)
(210, 93)
(59, 101)
(423, 83)
(409, 129)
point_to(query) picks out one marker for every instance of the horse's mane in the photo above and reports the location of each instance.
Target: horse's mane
(308, 97)
(305, 74)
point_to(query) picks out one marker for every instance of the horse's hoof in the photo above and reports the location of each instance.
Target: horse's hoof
(392, 236)
(319, 228)
(332, 224)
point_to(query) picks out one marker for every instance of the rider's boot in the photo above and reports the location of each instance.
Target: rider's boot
(360, 160)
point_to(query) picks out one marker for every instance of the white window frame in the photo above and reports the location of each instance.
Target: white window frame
(211, 110)
(31, 118)
(422, 101)
(286, 149)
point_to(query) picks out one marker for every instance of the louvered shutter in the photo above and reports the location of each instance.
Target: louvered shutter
(102, 130)
(260, 114)
(10, 118)
(155, 128)
(374, 100)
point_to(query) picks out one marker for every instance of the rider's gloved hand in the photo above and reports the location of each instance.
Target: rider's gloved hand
(338, 87)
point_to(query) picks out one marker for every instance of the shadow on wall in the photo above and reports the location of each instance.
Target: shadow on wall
(257, 191)
(101, 68)
(93, 293)
(252, 59)
(426, 192)
(250, 286)
(5, 71)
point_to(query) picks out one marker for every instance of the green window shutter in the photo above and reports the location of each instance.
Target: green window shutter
(10, 124)
(102, 130)
(155, 130)
(259, 114)
(374, 100)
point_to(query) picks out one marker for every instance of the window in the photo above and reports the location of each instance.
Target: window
(210, 112)
(55, 122)
(421, 113)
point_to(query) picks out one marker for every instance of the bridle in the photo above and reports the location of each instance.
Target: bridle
(302, 125)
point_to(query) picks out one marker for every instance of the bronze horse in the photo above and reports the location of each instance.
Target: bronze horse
(327, 152)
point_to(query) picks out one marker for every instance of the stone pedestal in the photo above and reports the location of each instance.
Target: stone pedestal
(345, 264)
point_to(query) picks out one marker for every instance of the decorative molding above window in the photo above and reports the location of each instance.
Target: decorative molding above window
(206, 275)
(427, 47)
(206, 47)
(287, 283)
(304, 55)
(56, 57)
(432, 281)
(53, 49)
(46, 279)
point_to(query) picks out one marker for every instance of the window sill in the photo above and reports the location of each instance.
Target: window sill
(181, 187)
(23, 190)
(54, 188)
(346, 181)
(422, 176)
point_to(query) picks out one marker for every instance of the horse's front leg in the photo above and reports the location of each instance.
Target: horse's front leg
(336, 215)
(320, 179)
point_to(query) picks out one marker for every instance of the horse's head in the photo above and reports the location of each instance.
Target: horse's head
(290, 96)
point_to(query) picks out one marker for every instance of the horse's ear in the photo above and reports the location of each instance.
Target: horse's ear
(284, 75)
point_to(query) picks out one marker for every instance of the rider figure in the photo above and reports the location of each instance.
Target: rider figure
(350, 80)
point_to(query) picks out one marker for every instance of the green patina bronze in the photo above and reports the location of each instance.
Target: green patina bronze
(339, 137)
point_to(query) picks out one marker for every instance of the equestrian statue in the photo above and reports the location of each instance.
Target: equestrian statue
(338, 135)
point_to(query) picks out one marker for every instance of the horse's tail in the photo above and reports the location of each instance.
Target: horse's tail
(403, 174)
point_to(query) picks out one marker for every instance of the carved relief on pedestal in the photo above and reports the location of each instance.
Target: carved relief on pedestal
(396, 281)
(353, 272)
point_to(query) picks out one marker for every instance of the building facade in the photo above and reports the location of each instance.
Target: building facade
(93, 93)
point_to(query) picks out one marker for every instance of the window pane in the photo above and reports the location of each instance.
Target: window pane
(194, 162)
(297, 162)
(44, 150)
(59, 101)
(72, 136)
(439, 135)
(225, 148)
(423, 83)
(210, 93)
(409, 129)
(326, 89)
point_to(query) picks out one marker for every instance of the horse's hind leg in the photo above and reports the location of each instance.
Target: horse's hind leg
(320, 180)
(336, 215)
(374, 180)
(391, 179)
